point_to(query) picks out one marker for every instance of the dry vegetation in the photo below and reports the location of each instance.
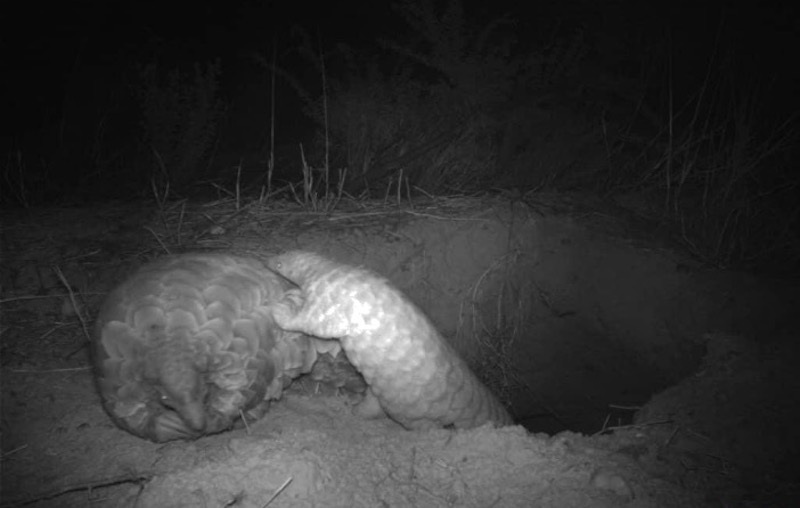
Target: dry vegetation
(468, 107)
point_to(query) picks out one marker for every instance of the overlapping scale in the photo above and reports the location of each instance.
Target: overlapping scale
(188, 344)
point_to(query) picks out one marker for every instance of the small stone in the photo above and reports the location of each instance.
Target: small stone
(607, 480)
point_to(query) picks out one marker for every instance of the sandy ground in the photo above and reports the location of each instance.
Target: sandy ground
(722, 436)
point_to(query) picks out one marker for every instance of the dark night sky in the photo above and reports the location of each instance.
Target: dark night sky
(45, 43)
(49, 38)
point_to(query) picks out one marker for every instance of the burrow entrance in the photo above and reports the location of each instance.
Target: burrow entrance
(574, 318)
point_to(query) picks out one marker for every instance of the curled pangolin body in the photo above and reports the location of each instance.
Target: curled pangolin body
(188, 344)
(415, 375)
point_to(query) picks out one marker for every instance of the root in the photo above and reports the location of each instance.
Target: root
(140, 480)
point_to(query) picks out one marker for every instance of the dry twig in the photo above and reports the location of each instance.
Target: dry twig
(76, 487)
(278, 491)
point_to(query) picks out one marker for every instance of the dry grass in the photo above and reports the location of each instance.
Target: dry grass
(180, 113)
(297, 206)
(722, 177)
(316, 195)
(15, 178)
(496, 338)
